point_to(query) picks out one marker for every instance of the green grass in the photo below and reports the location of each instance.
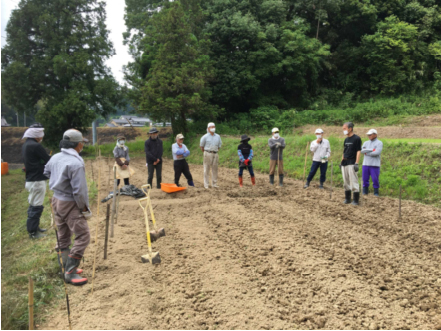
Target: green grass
(23, 257)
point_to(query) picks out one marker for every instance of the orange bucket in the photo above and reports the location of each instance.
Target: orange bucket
(5, 168)
(171, 188)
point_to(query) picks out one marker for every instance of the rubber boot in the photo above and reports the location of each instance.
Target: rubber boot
(41, 230)
(356, 198)
(347, 197)
(253, 180)
(36, 235)
(365, 190)
(321, 186)
(190, 183)
(376, 192)
(70, 275)
(306, 185)
(241, 181)
(65, 255)
(271, 177)
(280, 180)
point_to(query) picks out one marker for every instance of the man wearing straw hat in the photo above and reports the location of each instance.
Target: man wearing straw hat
(371, 163)
(70, 202)
(210, 144)
(35, 157)
(276, 145)
(322, 151)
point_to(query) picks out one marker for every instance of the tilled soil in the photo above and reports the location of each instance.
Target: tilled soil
(261, 258)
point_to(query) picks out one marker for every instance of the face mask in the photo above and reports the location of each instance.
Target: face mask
(213, 130)
(345, 132)
(276, 136)
(318, 136)
(121, 142)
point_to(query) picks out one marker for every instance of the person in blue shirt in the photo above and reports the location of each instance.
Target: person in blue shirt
(245, 152)
(180, 165)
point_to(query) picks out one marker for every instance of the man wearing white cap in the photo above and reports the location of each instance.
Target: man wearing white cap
(70, 202)
(322, 151)
(372, 161)
(210, 145)
(180, 152)
(35, 157)
(276, 145)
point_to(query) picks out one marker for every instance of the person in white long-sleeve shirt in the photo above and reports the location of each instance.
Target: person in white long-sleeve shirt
(322, 151)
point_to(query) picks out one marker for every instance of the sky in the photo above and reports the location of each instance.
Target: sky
(115, 24)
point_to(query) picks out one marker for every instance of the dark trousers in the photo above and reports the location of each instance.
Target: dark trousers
(250, 169)
(126, 181)
(151, 169)
(315, 166)
(181, 167)
(34, 214)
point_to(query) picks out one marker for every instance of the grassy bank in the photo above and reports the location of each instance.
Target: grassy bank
(408, 162)
(23, 257)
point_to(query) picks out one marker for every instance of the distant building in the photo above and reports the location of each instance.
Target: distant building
(131, 120)
(4, 123)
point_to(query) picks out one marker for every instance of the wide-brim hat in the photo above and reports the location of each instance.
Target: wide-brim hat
(153, 130)
(120, 136)
(244, 138)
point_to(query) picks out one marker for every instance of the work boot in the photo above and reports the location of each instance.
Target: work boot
(365, 190)
(271, 177)
(36, 235)
(356, 198)
(65, 255)
(240, 181)
(190, 183)
(376, 192)
(253, 180)
(71, 276)
(280, 180)
(307, 184)
(321, 186)
(347, 197)
(41, 230)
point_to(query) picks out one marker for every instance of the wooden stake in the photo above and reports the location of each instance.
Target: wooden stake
(399, 206)
(31, 304)
(306, 156)
(117, 207)
(115, 188)
(332, 173)
(97, 219)
(106, 238)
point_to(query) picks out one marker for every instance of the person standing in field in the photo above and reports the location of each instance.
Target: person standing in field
(322, 151)
(276, 145)
(153, 153)
(122, 158)
(210, 144)
(35, 157)
(349, 163)
(371, 163)
(180, 153)
(67, 179)
(245, 152)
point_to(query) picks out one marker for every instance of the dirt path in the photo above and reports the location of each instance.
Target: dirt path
(262, 258)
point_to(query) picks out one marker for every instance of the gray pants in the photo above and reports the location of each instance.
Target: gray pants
(350, 178)
(70, 220)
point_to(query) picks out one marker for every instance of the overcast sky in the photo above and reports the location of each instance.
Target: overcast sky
(115, 24)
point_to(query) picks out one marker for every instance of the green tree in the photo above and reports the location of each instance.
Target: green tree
(55, 53)
(176, 86)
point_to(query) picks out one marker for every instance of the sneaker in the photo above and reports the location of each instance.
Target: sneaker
(36, 235)
(306, 185)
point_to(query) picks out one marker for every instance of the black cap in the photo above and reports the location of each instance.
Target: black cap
(153, 130)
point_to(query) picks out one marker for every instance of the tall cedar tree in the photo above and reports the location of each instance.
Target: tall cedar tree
(55, 54)
(176, 86)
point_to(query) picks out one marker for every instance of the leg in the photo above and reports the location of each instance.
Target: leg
(272, 169)
(323, 169)
(355, 186)
(207, 160)
(280, 170)
(64, 233)
(126, 181)
(314, 167)
(78, 225)
(178, 171)
(215, 168)
(346, 184)
(365, 175)
(37, 191)
(159, 174)
(253, 178)
(187, 173)
(117, 182)
(151, 170)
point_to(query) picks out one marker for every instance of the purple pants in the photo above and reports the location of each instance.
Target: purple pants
(374, 173)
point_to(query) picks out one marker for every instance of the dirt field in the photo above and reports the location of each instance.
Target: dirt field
(262, 258)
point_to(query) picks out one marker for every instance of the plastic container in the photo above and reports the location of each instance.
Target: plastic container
(171, 188)
(5, 168)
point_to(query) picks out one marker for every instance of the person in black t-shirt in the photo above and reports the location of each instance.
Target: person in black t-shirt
(349, 163)
(245, 152)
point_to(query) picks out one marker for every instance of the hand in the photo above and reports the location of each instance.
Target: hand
(247, 162)
(87, 213)
(340, 166)
(319, 140)
(356, 167)
(373, 150)
(157, 161)
(179, 156)
(123, 167)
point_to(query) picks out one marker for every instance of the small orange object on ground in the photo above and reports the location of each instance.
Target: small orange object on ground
(171, 188)
(5, 168)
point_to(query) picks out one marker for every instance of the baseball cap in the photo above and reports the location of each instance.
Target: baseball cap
(275, 130)
(210, 124)
(319, 131)
(74, 136)
(180, 136)
(371, 131)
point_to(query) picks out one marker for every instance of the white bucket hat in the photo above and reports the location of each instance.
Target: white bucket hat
(319, 131)
(371, 131)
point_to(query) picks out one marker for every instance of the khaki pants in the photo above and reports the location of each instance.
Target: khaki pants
(350, 178)
(273, 167)
(211, 161)
(69, 219)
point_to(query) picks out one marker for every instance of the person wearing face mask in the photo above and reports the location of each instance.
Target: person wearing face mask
(322, 151)
(245, 152)
(349, 163)
(153, 153)
(371, 163)
(180, 153)
(276, 145)
(122, 158)
(67, 179)
(35, 157)
(210, 145)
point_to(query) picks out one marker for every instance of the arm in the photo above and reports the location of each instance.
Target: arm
(79, 187)
(282, 143)
(358, 151)
(202, 143)
(377, 151)
(314, 146)
(148, 153)
(241, 159)
(47, 170)
(271, 143)
(42, 154)
(161, 150)
(250, 157)
(358, 157)
(127, 156)
(328, 151)
(187, 152)
(220, 142)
